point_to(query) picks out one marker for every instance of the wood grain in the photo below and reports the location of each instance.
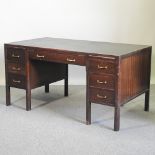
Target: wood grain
(134, 75)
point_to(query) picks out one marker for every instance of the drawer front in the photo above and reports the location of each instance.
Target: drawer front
(102, 96)
(102, 66)
(65, 57)
(70, 58)
(16, 54)
(102, 81)
(42, 55)
(17, 81)
(16, 68)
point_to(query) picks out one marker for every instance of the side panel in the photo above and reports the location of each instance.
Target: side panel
(134, 78)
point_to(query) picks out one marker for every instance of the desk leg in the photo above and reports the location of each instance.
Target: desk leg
(66, 82)
(117, 119)
(147, 98)
(8, 102)
(28, 99)
(46, 88)
(88, 112)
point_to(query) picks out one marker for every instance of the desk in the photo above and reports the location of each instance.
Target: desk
(115, 73)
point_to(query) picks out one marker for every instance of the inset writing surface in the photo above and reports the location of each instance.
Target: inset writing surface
(116, 49)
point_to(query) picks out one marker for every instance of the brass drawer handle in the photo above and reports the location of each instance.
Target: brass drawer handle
(101, 82)
(15, 56)
(70, 60)
(15, 69)
(102, 67)
(40, 56)
(15, 81)
(103, 97)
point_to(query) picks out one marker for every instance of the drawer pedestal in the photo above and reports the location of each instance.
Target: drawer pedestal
(26, 73)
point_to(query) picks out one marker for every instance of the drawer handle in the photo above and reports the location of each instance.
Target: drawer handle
(70, 60)
(15, 56)
(103, 97)
(101, 82)
(15, 81)
(102, 67)
(15, 69)
(40, 56)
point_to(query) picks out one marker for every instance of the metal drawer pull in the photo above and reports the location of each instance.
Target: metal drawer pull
(101, 82)
(15, 56)
(40, 56)
(15, 69)
(70, 60)
(102, 67)
(103, 97)
(15, 81)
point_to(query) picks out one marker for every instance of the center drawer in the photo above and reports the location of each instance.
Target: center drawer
(76, 59)
(66, 57)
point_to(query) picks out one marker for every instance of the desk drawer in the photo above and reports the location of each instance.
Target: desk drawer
(17, 81)
(102, 81)
(54, 56)
(102, 96)
(16, 54)
(102, 66)
(16, 68)
(42, 55)
(77, 59)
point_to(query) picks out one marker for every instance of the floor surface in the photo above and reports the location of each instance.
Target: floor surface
(56, 125)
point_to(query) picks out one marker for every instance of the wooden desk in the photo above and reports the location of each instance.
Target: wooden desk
(116, 73)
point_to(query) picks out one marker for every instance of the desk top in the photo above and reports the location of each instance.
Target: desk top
(116, 49)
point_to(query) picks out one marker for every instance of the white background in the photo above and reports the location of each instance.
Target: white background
(126, 21)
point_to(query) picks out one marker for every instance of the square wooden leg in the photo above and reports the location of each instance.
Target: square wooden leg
(88, 112)
(117, 119)
(8, 99)
(147, 98)
(47, 88)
(66, 87)
(66, 82)
(28, 99)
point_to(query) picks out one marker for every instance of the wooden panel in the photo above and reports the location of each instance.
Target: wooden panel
(102, 81)
(101, 96)
(134, 75)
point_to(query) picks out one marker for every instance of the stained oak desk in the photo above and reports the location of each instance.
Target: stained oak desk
(115, 73)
